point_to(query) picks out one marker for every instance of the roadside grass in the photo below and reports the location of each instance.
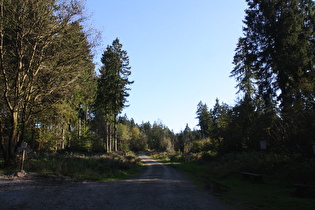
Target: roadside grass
(221, 176)
(81, 166)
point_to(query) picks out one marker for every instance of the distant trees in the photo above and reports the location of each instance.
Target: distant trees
(145, 136)
(185, 139)
(204, 118)
(160, 138)
(112, 90)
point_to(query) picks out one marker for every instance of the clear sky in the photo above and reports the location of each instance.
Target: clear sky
(180, 53)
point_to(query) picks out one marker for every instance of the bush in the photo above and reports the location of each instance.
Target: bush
(205, 145)
(289, 168)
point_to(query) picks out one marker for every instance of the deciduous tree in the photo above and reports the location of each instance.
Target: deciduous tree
(34, 65)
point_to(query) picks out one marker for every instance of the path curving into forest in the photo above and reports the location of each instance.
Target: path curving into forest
(158, 187)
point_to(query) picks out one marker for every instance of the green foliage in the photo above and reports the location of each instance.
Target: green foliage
(112, 85)
(183, 141)
(87, 141)
(205, 146)
(159, 137)
(46, 62)
(112, 91)
(124, 137)
(137, 142)
(274, 62)
(204, 118)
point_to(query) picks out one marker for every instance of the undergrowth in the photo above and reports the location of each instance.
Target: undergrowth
(221, 175)
(82, 166)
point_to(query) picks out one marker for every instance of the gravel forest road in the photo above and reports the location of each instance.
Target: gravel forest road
(158, 187)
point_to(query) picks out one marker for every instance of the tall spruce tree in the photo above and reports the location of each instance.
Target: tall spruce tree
(279, 43)
(275, 59)
(204, 118)
(113, 89)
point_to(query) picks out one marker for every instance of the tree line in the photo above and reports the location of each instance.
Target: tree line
(52, 98)
(45, 62)
(274, 69)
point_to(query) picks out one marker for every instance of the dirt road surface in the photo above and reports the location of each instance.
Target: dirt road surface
(158, 187)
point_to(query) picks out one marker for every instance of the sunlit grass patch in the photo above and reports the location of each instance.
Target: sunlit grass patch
(94, 167)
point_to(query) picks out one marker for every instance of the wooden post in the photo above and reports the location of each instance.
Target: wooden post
(23, 148)
(22, 160)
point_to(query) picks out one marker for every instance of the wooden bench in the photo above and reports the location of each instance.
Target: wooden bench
(255, 177)
(302, 189)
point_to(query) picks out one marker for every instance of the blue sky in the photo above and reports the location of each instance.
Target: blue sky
(180, 52)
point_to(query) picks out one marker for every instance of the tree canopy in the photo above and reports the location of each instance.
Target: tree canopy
(43, 52)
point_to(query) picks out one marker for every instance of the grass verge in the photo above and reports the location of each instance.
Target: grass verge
(222, 177)
(80, 166)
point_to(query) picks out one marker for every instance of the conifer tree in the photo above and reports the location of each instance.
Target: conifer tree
(113, 89)
(274, 62)
(204, 118)
(278, 52)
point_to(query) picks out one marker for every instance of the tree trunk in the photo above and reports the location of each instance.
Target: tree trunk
(115, 135)
(63, 131)
(13, 139)
(33, 136)
(3, 144)
(69, 138)
(79, 128)
(109, 136)
(21, 136)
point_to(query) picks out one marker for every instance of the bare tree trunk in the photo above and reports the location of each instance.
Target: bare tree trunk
(33, 135)
(69, 139)
(79, 128)
(106, 138)
(62, 137)
(109, 136)
(115, 135)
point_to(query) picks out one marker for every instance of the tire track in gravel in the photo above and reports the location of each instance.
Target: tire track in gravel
(158, 187)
